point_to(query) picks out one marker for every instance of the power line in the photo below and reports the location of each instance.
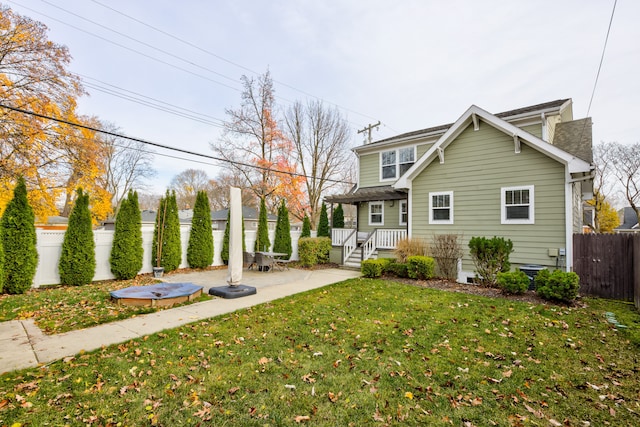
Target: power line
(604, 48)
(208, 52)
(166, 147)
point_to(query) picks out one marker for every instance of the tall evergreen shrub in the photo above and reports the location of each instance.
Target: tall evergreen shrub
(77, 264)
(338, 217)
(282, 241)
(224, 254)
(306, 227)
(200, 249)
(167, 252)
(262, 237)
(1, 262)
(323, 224)
(18, 232)
(127, 251)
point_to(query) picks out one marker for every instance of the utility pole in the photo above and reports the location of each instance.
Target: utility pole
(368, 130)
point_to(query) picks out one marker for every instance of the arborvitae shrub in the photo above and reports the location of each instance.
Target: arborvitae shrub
(1, 262)
(338, 217)
(200, 249)
(167, 251)
(282, 240)
(18, 232)
(224, 253)
(127, 251)
(323, 224)
(306, 227)
(262, 236)
(77, 264)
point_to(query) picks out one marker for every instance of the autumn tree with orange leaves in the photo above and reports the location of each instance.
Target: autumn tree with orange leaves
(254, 146)
(54, 158)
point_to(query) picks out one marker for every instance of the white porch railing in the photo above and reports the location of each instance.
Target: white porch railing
(350, 244)
(388, 239)
(369, 245)
(340, 235)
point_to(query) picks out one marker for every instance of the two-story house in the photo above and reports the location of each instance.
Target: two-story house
(521, 174)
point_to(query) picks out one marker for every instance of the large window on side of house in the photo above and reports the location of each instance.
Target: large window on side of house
(517, 205)
(394, 163)
(376, 213)
(388, 164)
(441, 207)
(404, 212)
(407, 157)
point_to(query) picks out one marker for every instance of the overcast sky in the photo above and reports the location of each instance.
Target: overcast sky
(411, 64)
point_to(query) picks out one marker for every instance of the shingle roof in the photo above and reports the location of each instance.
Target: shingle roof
(443, 128)
(575, 137)
(628, 218)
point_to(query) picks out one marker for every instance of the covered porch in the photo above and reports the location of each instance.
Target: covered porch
(372, 233)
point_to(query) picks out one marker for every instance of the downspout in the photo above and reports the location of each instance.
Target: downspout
(568, 202)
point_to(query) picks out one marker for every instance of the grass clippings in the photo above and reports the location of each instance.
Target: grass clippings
(361, 352)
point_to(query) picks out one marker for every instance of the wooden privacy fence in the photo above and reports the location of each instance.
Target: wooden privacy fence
(608, 265)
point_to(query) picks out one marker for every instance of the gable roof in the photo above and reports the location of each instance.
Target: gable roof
(248, 213)
(575, 137)
(473, 115)
(537, 109)
(628, 219)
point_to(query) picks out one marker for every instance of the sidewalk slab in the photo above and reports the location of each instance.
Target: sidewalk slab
(24, 345)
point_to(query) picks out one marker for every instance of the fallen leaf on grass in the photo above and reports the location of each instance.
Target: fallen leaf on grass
(301, 418)
(538, 414)
(333, 398)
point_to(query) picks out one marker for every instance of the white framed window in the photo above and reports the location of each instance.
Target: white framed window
(394, 163)
(517, 205)
(441, 207)
(376, 213)
(404, 212)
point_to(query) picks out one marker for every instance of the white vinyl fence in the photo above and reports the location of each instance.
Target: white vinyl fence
(49, 245)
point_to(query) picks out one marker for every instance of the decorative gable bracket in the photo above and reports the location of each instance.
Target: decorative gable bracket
(476, 121)
(516, 144)
(441, 155)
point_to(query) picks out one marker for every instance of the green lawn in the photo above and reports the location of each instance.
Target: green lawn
(361, 352)
(65, 308)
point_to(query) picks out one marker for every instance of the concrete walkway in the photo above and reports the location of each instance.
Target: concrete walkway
(24, 345)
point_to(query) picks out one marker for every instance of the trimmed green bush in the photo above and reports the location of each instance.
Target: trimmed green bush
(398, 269)
(513, 282)
(490, 256)
(373, 268)
(262, 236)
(167, 250)
(314, 250)
(337, 219)
(282, 240)
(18, 232)
(77, 264)
(200, 248)
(323, 223)
(559, 285)
(306, 227)
(420, 267)
(126, 251)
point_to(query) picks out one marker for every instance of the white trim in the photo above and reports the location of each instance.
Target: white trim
(409, 213)
(381, 204)
(568, 226)
(441, 221)
(398, 163)
(503, 210)
(406, 204)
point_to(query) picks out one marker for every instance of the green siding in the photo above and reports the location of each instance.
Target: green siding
(477, 164)
(535, 130)
(370, 164)
(391, 216)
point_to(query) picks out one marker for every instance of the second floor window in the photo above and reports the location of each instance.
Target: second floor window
(394, 163)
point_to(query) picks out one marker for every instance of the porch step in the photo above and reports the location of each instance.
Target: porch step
(354, 259)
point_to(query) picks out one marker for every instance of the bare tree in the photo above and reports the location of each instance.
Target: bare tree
(254, 147)
(127, 165)
(187, 184)
(602, 182)
(625, 161)
(148, 202)
(219, 191)
(320, 136)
